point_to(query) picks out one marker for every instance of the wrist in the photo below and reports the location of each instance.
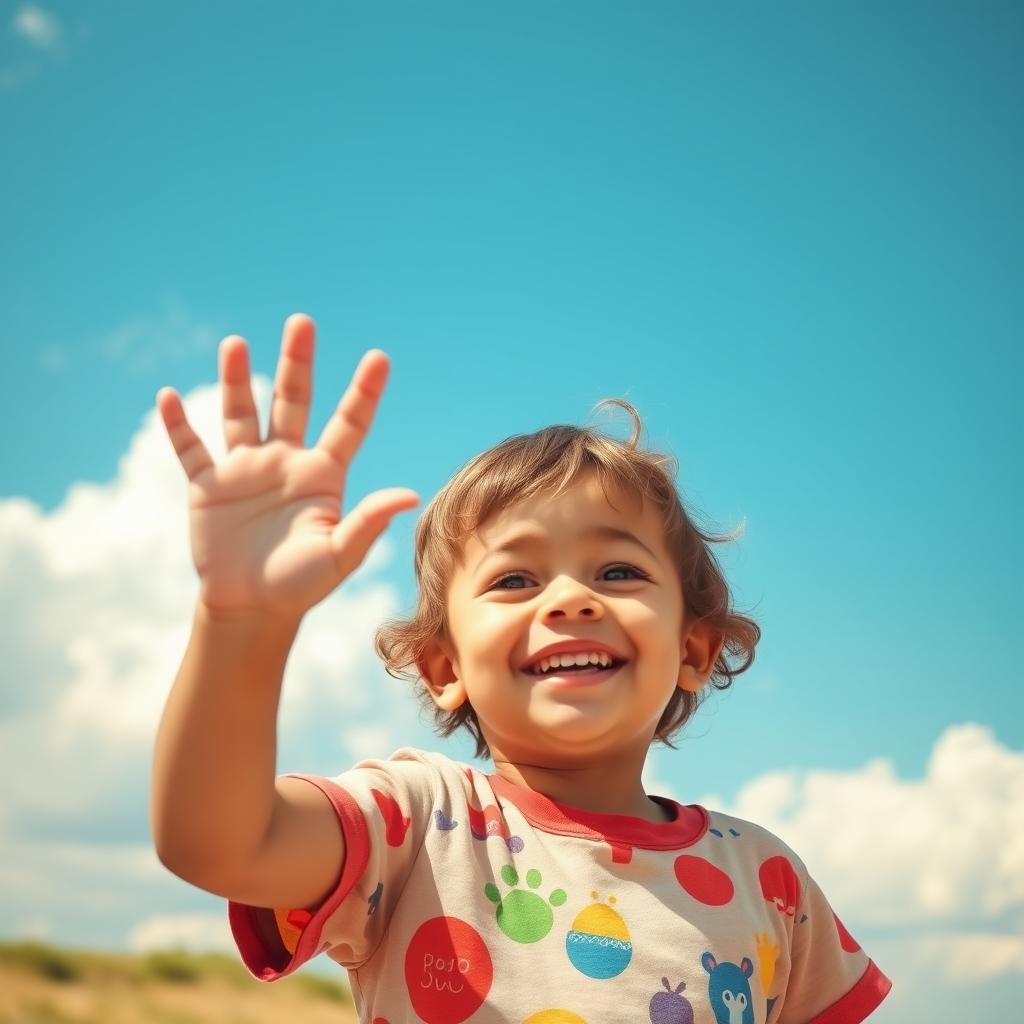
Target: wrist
(247, 621)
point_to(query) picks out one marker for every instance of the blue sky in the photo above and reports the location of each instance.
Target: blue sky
(789, 235)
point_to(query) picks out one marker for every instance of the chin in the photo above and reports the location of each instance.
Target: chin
(582, 733)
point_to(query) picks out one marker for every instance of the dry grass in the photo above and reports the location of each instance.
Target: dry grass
(45, 985)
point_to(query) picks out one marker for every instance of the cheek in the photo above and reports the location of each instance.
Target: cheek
(489, 643)
(497, 624)
(654, 624)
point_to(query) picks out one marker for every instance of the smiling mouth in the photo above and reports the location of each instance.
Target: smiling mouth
(576, 674)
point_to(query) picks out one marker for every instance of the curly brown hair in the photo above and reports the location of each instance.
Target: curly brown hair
(549, 461)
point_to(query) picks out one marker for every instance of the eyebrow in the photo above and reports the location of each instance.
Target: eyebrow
(529, 539)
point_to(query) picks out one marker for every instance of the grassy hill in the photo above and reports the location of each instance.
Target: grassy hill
(42, 984)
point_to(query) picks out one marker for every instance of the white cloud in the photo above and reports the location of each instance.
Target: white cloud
(928, 873)
(942, 848)
(54, 359)
(38, 27)
(969, 958)
(98, 597)
(652, 781)
(35, 927)
(11, 77)
(140, 344)
(46, 42)
(146, 342)
(77, 877)
(196, 932)
(369, 741)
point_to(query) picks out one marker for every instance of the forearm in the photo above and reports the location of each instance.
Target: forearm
(215, 759)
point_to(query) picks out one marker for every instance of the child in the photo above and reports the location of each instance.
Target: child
(569, 614)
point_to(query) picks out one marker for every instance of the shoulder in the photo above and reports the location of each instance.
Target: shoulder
(756, 841)
(413, 768)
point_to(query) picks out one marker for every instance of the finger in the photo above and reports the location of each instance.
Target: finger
(192, 453)
(293, 384)
(352, 537)
(347, 428)
(241, 424)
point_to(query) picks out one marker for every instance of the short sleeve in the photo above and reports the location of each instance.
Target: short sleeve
(831, 980)
(383, 809)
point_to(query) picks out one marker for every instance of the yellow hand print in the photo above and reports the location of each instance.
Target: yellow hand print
(767, 954)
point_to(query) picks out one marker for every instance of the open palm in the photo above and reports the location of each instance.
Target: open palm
(268, 534)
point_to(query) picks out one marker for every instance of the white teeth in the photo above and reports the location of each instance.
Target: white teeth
(565, 660)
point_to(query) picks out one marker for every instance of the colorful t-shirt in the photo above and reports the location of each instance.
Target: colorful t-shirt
(464, 897)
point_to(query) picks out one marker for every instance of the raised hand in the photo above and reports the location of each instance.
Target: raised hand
(268, 535)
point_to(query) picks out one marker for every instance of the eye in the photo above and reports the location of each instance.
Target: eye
(508, 576)
(620, 567)
(625, 567)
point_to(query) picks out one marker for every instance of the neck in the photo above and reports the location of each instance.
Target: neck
(605, 787)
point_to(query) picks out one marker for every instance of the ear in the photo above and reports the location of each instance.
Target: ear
(439, 669)
(701, 645)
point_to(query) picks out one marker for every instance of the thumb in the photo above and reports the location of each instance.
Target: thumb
(352, 537)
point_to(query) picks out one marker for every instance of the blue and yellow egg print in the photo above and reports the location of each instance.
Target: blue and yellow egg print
(555, 1017)
(598, 944)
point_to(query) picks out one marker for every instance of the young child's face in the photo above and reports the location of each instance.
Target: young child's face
(550, 570)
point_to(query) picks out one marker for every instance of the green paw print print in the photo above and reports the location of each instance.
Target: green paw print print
(523, 915)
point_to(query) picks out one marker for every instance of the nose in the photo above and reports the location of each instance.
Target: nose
(569, 599)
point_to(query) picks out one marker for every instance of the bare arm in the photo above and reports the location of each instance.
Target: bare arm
(219, 821)
(268, 542)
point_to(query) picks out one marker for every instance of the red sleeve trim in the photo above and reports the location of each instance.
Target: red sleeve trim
(254, 928)
(861, 1001)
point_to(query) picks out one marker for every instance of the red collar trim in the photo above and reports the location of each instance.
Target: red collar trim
(690, 823)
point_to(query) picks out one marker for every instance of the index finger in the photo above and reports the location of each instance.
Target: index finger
(350, 424)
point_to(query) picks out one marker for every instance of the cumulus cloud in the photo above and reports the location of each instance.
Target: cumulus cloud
(44, 40)
(44, 880)
(197, 932)
(653, 782)
(145, 342)
(369, 741)
(139, 344)
(943, 848)
(971, 957)
(99, 595)
(928, 872)
(42, 29)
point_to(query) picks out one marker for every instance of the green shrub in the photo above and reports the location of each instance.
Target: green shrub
(224, 968)
(321, 988)
(171, 965)
(54, 964)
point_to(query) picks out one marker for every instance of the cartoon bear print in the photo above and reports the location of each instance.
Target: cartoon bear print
(729, 990)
